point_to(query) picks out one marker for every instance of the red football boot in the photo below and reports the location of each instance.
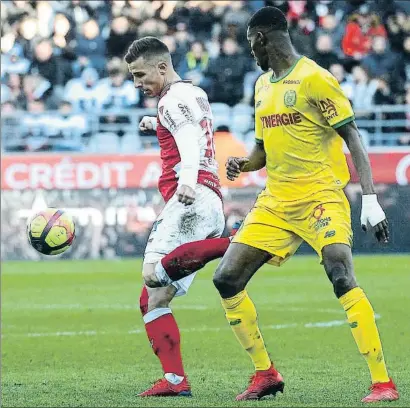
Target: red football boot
(267, 382)
(163, 388)
(382, 392)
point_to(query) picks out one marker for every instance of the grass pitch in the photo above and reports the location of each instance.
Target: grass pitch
(72, 335)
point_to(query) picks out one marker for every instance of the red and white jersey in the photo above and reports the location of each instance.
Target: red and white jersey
(181, 103)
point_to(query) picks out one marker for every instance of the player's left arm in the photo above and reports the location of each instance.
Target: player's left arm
(337, 110)
(372, 212)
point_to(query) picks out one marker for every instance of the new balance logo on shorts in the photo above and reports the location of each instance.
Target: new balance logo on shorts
(330, 234)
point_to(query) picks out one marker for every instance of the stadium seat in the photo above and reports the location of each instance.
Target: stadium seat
(242, 118)
(131, 143)
(221, 113)
(104, 143)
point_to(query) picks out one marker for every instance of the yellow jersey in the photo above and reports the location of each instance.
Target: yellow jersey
(295, 118)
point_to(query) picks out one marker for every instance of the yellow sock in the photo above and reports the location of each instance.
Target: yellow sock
(241, 314)
(360, 316)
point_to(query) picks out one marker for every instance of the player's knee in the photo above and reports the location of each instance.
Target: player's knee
(158, 298)
(342, 280)
(226, 286)
(338, 266)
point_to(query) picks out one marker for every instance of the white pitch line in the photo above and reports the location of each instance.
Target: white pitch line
(308, 325)
(75, 306)
(120, 306)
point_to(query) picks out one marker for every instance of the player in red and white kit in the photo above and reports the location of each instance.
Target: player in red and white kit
(193, 211)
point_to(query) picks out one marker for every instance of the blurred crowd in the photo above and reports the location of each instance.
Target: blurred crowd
(68, 55)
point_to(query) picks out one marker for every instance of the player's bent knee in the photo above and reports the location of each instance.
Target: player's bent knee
(226, 286)
(342, 280)
(160, 297)
(338, 266)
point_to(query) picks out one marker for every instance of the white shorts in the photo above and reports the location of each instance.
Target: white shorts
(178, 224)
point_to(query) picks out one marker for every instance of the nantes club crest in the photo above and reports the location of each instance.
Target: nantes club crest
(290, 98)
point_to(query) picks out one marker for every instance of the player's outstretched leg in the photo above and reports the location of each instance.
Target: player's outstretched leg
(337, 259)
(188, 258)
(163, 335)
(236, 268)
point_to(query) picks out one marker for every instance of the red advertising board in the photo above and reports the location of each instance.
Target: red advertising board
(58, 171)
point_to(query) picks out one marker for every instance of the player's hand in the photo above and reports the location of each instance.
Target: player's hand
(234, 166)
(146, 124)
(373, 215)
(186, 195)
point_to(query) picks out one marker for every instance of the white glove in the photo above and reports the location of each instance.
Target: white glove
(148, 123)
(372, 213)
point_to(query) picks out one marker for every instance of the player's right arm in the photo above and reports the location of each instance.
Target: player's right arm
(255, 161)
(257, 158)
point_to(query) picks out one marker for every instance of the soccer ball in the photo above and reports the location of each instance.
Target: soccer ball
(51, 231)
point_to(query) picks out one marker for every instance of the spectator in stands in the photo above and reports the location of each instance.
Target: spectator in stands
(332, 26)
(15, 91)
(63, 38)
(339, 73)
(37, 88)
(404, 61)
(302, 37)
(79, 12)
(359, 31)
(152, 26)
(27, 32)
(226, 72)
(380, 61)
(194, 64)
(83, 92)
(177, 54)
(235, 20)
(364, 89)
(398, 26)
(91, 47)
(120, 37)
(12, 58)
(183, 38)
(383, 94)
(48, 65)
(325, 56)
(117, 92)
(202, 20)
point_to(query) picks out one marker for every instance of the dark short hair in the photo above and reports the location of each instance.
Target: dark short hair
(146, 46)
(269, 18)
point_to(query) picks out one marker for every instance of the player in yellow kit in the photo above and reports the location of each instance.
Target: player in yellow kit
(301, 120)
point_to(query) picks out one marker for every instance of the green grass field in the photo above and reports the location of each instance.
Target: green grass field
(72, 335)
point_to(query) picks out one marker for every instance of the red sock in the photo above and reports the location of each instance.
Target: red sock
(189, 258)
(163, 335)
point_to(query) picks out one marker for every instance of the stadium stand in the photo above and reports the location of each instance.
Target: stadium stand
(63, 60)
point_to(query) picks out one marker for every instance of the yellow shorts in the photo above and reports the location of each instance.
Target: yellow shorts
(280, 227)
